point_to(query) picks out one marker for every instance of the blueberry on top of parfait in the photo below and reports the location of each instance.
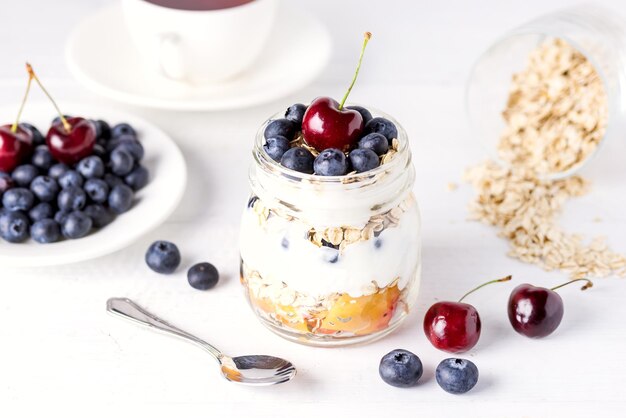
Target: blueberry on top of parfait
(281, 127)
(363, 160)
(298, 159)
(295, 113)
(330, 162)
(276, 146)
(365, 114)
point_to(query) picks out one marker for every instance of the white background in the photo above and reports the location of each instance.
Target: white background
(60, 354)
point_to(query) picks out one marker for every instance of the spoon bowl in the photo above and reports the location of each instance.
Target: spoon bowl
(257, 370)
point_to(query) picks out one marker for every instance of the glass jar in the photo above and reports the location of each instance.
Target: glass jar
(335, 260)
(599, 34)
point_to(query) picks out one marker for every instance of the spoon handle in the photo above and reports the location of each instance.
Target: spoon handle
(128, 309)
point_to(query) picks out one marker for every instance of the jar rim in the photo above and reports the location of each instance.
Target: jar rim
(263, 159)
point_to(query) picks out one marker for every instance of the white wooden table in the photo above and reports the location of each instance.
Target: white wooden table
(61, 354)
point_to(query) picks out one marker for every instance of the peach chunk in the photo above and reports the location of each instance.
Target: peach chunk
(361, 315)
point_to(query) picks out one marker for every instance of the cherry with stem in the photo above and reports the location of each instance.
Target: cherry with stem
(16, 141)
(327, 124)
(69, 139)
(537, 312)
(455, 326)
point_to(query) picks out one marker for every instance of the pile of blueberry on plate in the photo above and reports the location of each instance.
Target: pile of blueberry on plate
(68, 183)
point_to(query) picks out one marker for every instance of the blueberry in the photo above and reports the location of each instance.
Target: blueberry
(400, 368)
(44, 188)
(76, 225)
(97, 190)
(456, 375)
(281, 127)
(330, 162)
(138, 178)
(100, 152)
(376, 142)
(122, 129)
(71, 198)
(91, 167)
(330, 255)
(116, 142)
(365, 114)
(60, 216)
(284, 243)
(121, 162)
(6, 182)
(252, 200)
(295, 113)
(18, 198)
(112, 180)
(133, 147)
(100, 215)
(276, 146)
(378, 243)
(24, 174)
(103, 130)
(71, 178)
(363, 160)
(203, 276)
(13, 226)
(120, 198)
(41, 211)
(163, 257)
(45, 231)
(382, 126)
(57, 170)
(42, 158)
(298, 159)
(38, 138)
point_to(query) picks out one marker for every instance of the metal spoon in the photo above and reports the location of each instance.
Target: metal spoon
(247, 370)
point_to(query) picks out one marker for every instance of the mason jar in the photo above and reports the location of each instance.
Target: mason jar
(597, 33)
(335, 260)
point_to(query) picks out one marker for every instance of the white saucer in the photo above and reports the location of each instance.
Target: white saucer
(101, 56)
(153, 204)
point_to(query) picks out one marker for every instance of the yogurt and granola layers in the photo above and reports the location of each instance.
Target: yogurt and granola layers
(335, 280)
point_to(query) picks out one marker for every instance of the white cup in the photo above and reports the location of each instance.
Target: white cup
(199, 46)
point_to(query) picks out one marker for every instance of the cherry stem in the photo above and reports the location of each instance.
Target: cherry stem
(585, 287)
(19, 113)
(504, 279)
(366, 39)
(64, 121)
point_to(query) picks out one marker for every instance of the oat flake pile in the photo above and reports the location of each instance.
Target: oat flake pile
(555, 118)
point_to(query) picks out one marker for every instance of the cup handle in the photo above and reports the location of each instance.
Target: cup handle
(170, 58)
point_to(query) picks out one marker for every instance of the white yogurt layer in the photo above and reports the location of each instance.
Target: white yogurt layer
(279, 250)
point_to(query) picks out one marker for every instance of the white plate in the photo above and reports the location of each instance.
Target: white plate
(100, 55)
(153, 204)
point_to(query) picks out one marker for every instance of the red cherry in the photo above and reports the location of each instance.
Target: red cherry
(15, 147)
(326, 126)
(69, 139)
(537, 312)
(16, 142)
(451, 326)
(454, 326)
(71, 146)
